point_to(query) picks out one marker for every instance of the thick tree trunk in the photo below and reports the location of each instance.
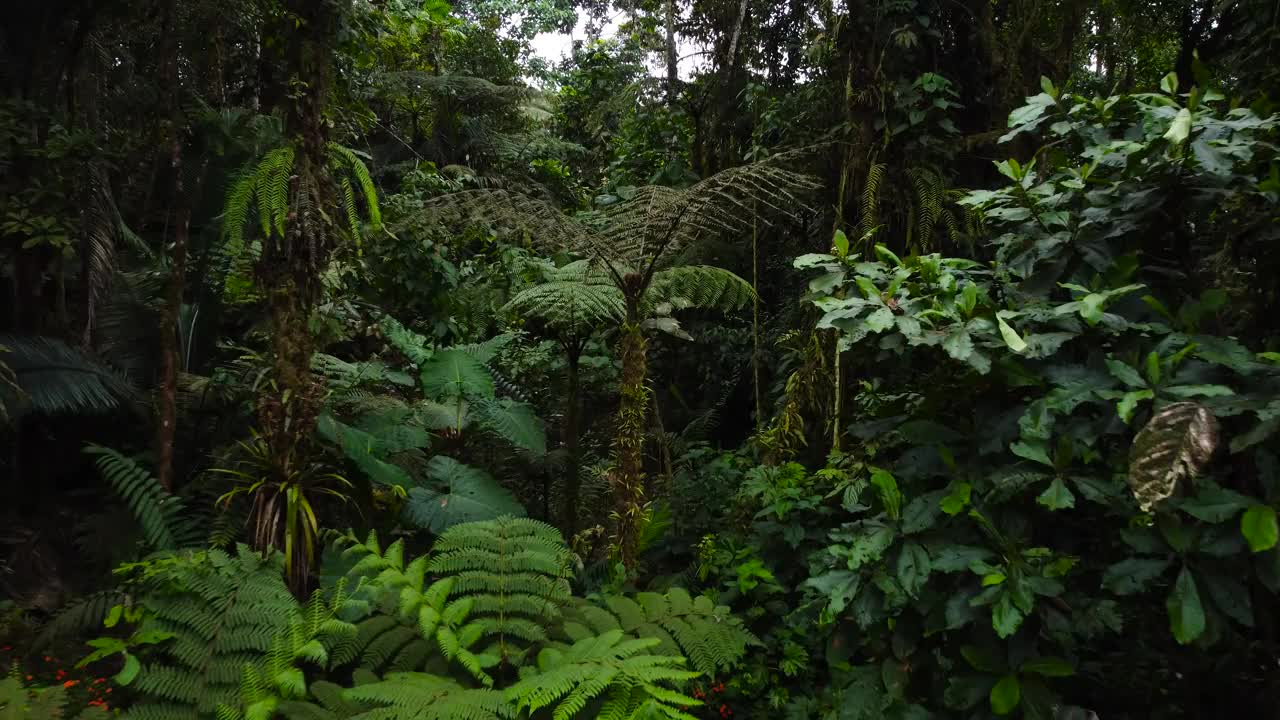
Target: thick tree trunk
(628, 477)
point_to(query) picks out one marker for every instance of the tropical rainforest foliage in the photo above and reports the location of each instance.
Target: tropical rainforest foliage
(896, 359)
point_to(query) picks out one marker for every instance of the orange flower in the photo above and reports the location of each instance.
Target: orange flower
(70, 683)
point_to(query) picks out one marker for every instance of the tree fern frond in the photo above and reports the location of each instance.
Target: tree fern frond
(700, 287)
(55, 378)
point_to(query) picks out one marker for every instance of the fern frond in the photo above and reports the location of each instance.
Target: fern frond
(569, 679)
(55, 378)
(225, 613)
(420, 696)
(700, 287)
(79, 617)
(709, 635)
(871, 198)
(159, 514)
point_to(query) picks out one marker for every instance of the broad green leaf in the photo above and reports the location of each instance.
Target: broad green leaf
(949, 557)
(913, 568)
(1153, 368)
(1048, 667)
(922, 512)
(890, 495)
(1259, 527)
(1125, 373)
(1180, 130)
(1011, 337)
(1214, 504)
(465, 494)
(1186, 614)
(958, 344)
(1035, 451)
(880, 320)
(1128, 404)
(840, 244)
(839, 586)
(956, 500)
(866, 545)
(1006, 618)
(1006, 695)
(1186, 391)
(965, 691)
(130, 670)
(1057, 496)
(1132, 575)
(1169, 83)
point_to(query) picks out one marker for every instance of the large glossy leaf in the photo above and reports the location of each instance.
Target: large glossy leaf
(458, 493)
(364, 450)
(1175, 446)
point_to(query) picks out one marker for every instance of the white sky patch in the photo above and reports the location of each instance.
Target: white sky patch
(555, 47)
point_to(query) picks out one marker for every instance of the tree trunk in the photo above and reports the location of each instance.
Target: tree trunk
(628, 477)
(673, 60)
(572, 481)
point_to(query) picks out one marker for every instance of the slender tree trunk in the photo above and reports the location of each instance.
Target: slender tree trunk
(573, 480)
(628, 476)
(166, 427)
(168, 421)
(755, 323)
(737, 31)
(673, 60)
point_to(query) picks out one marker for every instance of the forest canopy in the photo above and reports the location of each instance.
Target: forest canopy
(898, 359)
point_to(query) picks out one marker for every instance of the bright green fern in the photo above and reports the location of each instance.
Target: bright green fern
(709, 635)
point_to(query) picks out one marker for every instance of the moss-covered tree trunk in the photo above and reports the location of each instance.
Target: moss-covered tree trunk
(289, 271)
(633, 408)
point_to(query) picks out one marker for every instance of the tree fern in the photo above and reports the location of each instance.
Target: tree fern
(709, 635)
(159, 513)
(609, 669)
(265, 191)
